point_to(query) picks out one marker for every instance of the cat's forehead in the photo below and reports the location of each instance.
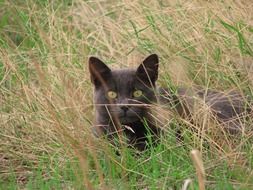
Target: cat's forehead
(123, 78)
(124, 74)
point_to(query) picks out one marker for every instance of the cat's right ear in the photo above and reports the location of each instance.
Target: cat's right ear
(147, 72)
(99, 72)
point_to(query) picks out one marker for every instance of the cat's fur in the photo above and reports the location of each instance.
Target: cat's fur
(132, 115)
(125, 112)
(227, 108)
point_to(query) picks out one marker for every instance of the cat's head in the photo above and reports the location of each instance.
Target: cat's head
(126, 91)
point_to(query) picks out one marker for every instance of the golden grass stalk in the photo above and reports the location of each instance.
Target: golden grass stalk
(200, 171)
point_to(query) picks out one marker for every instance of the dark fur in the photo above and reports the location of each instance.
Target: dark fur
(125, 110)
(113, 115)
(228, 108)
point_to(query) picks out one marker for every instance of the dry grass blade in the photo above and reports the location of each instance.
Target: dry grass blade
(186, 184)
(198, 164)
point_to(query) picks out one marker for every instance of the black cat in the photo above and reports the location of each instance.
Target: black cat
(122, 101)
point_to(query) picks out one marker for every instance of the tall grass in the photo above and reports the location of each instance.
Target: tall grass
(46, 109)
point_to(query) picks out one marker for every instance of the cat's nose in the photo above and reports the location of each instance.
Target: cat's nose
(124, 108)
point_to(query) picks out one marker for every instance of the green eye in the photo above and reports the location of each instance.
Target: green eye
(137, 93)
(111, 94)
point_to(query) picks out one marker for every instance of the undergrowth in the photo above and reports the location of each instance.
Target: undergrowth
(46, 109)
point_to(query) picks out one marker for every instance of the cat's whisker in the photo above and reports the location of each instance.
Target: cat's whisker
(135, 105)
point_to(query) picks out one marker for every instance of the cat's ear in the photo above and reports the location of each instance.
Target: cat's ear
(99, 72)
(147, 72)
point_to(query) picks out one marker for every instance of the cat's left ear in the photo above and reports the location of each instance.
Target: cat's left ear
(99, 72)
(147, 72)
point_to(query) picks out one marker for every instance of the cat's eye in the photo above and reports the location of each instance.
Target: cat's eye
(111, 94)
(137, 93)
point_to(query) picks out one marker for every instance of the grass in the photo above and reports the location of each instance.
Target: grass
(46, 107)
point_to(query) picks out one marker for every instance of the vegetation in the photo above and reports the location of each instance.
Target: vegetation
(46, 106)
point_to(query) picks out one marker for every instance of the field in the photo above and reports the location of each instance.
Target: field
(46, 108)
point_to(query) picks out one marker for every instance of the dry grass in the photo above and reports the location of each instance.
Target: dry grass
(46, 109)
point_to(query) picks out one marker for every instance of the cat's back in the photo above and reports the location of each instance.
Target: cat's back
(228, 106)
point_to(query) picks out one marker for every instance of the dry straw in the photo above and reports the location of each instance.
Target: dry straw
(200, 171)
